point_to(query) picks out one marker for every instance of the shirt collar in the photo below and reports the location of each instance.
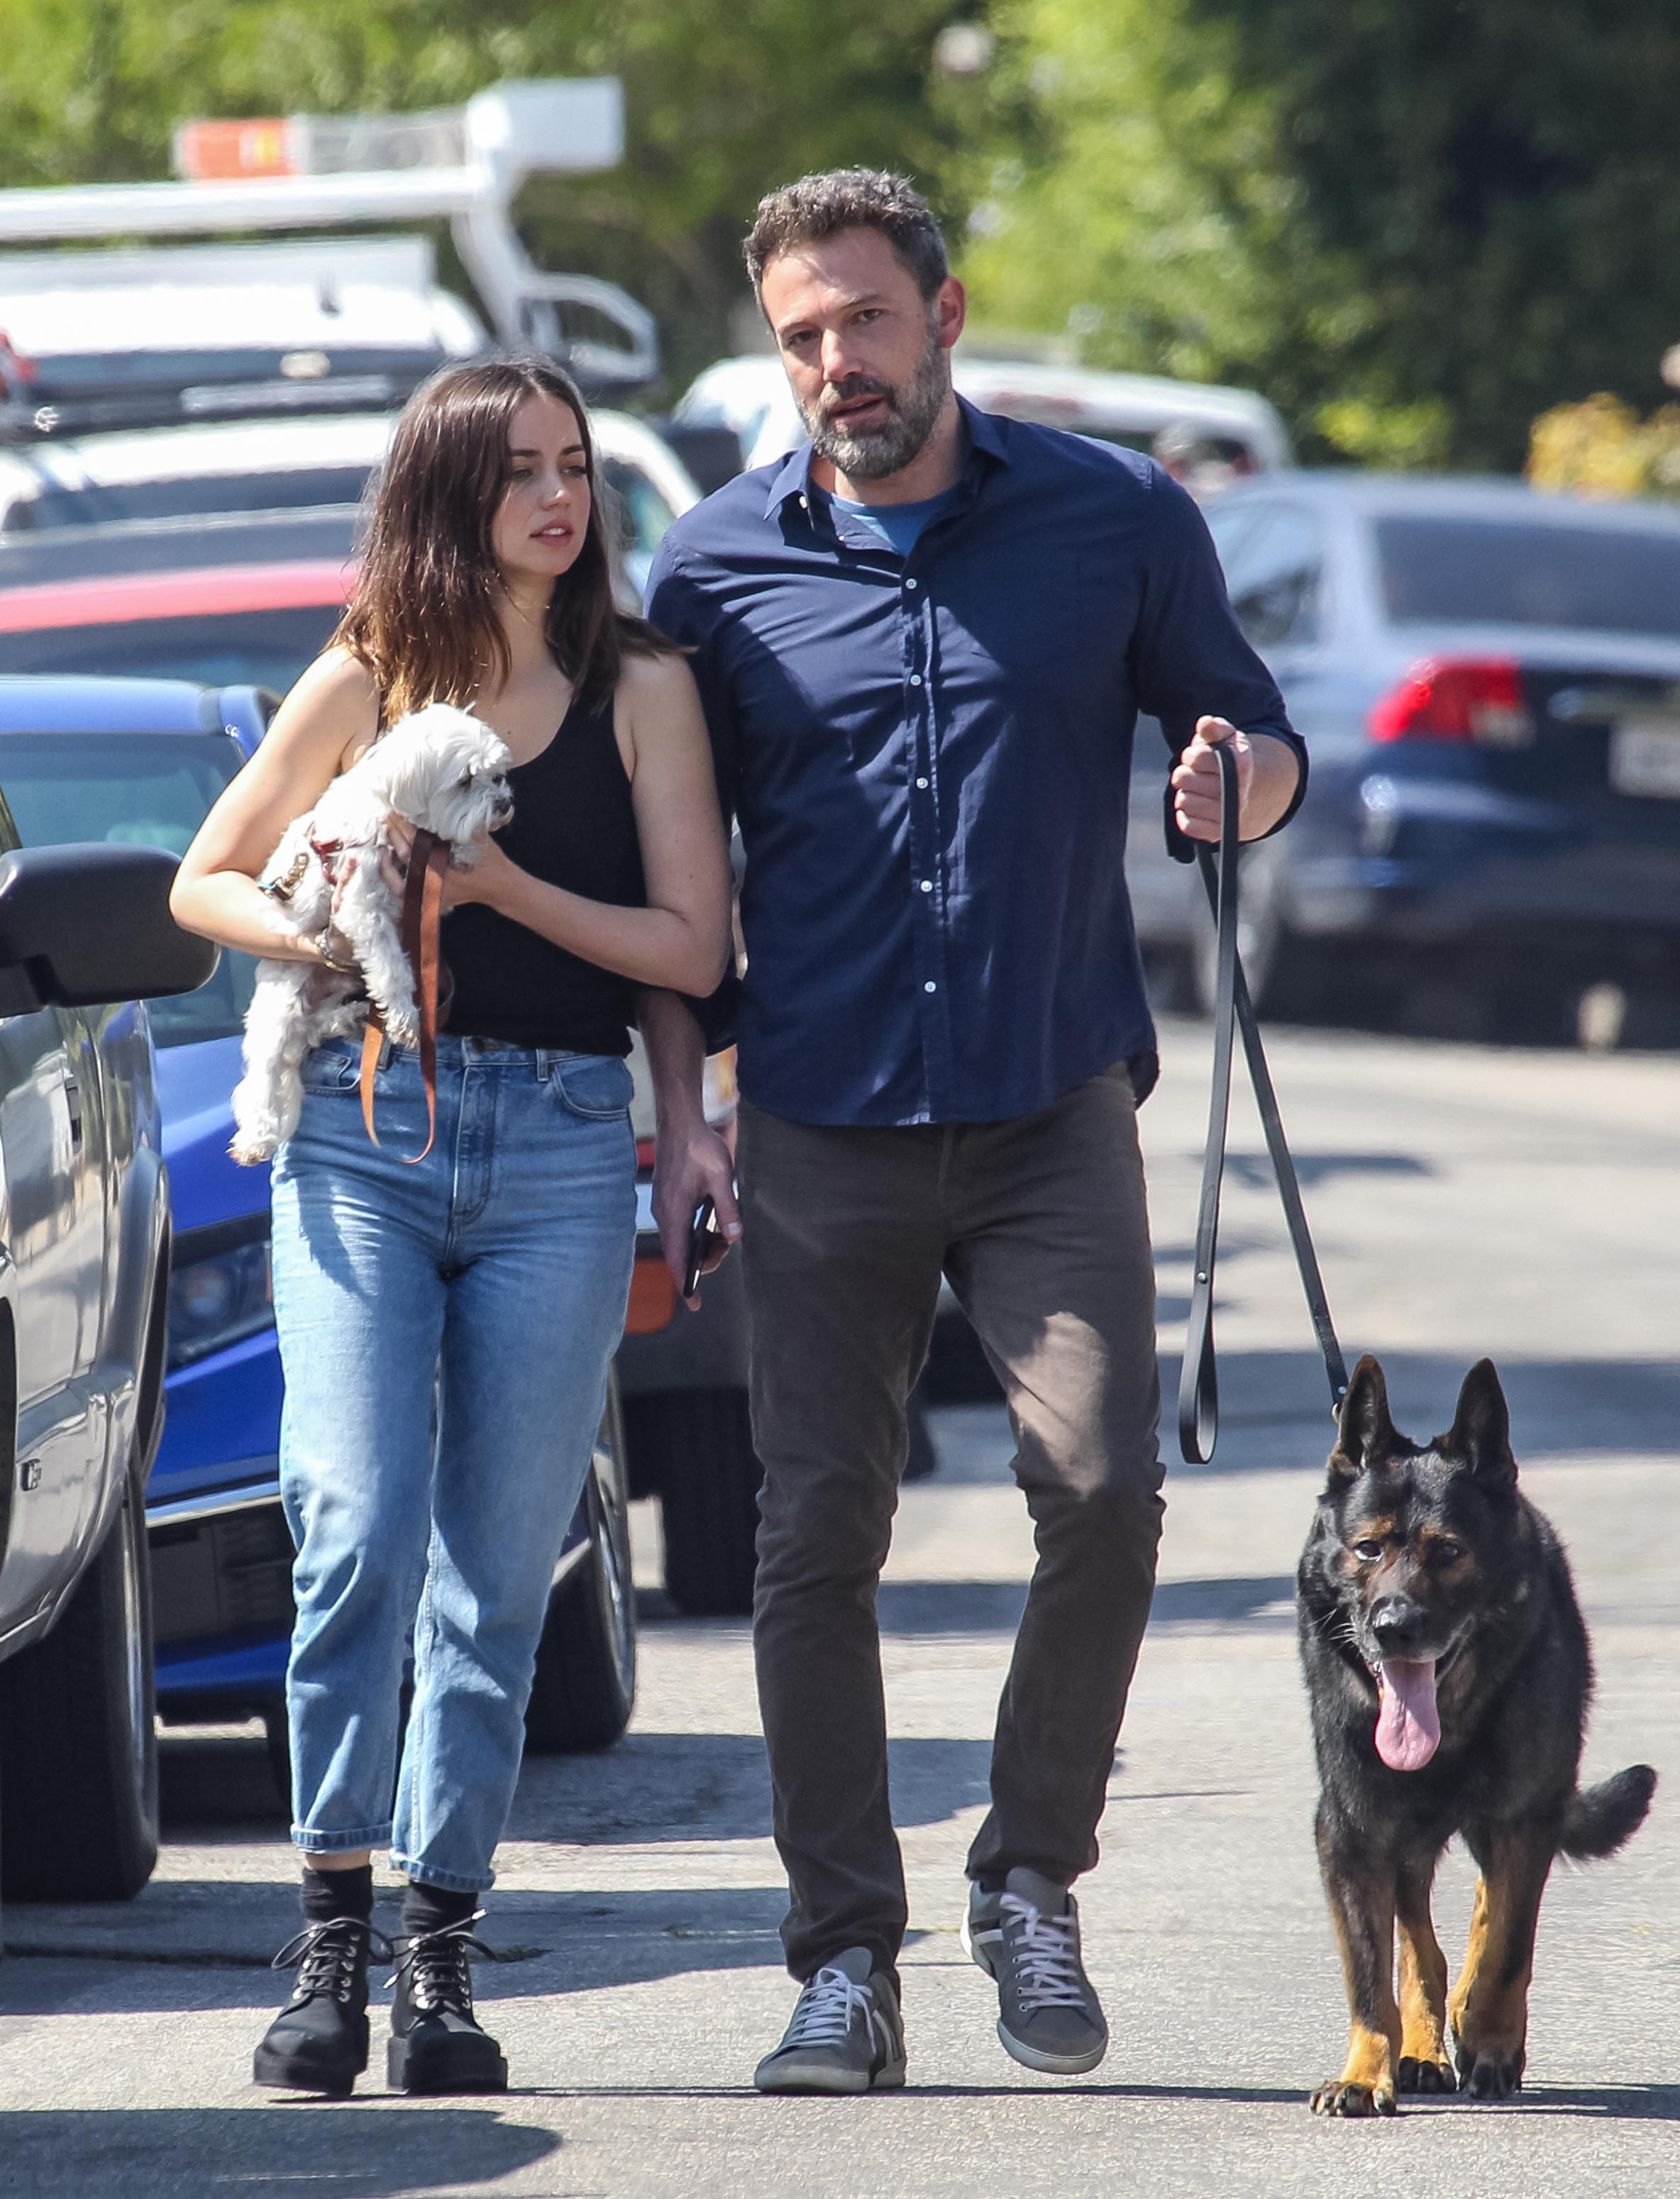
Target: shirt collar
(793, 476)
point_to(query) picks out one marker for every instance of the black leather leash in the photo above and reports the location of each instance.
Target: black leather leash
(1198, 1383)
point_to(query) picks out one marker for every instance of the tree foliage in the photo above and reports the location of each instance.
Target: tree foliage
(1601, 447)
(1415, 223)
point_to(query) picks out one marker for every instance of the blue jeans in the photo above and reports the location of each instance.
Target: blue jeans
(446, 1331)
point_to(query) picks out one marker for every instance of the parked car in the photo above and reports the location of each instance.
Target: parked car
(84, 1246)
(183, 473)
(158, 335)
(1224, 431)
(1489, 683)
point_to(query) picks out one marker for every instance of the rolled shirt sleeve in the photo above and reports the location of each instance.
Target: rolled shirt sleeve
(1189, 657)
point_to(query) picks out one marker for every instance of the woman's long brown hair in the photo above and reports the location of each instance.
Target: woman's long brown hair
(423, 616)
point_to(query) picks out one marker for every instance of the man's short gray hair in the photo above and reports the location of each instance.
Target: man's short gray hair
(818, 207)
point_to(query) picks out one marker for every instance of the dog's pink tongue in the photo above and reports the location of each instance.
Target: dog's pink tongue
(1409, 1726)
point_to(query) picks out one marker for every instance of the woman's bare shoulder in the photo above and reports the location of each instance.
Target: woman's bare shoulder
(651, 679)
(335, 704)
(337, 680)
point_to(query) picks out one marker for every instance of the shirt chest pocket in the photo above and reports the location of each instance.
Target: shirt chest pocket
(1058, 613)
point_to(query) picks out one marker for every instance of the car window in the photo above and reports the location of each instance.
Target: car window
(1456, 571)
(295, 488)
(643, 515)
(221, 649)
(1273, 570)
(146, 789)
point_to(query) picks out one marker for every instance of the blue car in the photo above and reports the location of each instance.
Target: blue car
(140, 761)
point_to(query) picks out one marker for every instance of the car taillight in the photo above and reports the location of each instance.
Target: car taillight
(1456, 698)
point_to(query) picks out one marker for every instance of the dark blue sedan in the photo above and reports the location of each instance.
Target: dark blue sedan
(1489, 683)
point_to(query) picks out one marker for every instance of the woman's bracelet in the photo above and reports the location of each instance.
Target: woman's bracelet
(324, 949)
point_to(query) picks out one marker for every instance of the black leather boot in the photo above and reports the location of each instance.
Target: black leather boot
(436, 2044)
(319, 2043)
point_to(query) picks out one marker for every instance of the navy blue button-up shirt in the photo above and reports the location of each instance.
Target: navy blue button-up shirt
(929, 761)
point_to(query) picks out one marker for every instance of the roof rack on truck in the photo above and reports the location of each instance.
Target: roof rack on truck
(144, 336)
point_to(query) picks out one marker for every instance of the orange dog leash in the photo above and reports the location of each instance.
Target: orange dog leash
(421, 915)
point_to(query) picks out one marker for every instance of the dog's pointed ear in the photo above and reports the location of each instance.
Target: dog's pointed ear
(1480, 1435)
(1367, 1435)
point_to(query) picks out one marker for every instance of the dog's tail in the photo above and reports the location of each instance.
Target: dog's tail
(1601, 1818)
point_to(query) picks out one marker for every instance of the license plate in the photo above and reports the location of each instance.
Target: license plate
(1645, 758)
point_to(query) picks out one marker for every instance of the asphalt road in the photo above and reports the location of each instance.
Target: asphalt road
(1467, 1201)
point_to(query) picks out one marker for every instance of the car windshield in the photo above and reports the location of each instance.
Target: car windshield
(190, 496)
(1458, 572)
(146, 789)
(216, 649)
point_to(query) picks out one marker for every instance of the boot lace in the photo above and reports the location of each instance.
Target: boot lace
(1044, 1955)
(827, 2007)
(437, 1968)
(324, 1956)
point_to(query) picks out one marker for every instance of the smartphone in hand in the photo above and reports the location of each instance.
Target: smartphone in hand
(699, 1233)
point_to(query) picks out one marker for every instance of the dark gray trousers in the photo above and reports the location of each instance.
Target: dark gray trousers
(1040, 1223)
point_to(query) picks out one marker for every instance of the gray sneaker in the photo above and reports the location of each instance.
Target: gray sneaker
(846, 2035)
(1027, 1938)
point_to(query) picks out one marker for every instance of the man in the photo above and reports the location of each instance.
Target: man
(922, 643)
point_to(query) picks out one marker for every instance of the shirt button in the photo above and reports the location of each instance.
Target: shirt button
(909, 584)
(927, 885)
(915, 678)
(921, 782)
(930, 987)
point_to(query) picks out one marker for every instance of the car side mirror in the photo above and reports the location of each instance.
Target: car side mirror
(89, 924)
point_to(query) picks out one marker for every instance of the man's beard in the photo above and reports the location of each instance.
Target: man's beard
(872, 453)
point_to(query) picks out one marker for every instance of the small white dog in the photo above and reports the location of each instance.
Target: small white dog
(446, 772)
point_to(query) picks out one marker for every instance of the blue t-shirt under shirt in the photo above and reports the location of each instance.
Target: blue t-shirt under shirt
(897, 527)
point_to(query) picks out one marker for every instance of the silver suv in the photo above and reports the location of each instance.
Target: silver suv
(83, 1286)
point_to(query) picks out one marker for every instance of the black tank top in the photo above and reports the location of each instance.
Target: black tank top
(573, 826)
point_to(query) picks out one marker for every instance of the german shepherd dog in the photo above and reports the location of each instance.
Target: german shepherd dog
(1449, 1676)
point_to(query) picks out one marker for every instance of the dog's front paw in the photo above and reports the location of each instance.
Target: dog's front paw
(1489, 2072)
(1341, 2097)
(1414, 2075)
(250, 1152)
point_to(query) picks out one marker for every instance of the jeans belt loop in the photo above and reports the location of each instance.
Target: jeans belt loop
(545, 1063)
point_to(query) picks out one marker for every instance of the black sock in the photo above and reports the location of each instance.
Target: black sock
(330, 1894)
(434, 1909)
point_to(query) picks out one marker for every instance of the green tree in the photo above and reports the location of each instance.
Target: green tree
(1415, 223)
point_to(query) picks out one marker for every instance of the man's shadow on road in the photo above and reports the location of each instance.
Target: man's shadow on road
(278, 2152)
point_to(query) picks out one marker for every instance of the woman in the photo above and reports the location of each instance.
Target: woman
(445, 1327)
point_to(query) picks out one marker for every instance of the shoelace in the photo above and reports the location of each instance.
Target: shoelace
(437, 1967)
(1044, 1953)
(827, 2007)
(325, 1956)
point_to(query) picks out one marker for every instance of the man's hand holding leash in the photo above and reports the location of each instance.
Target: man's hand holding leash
(1267, 773)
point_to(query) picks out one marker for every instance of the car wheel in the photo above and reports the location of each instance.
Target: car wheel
(702, 1460)
(78, 1767)
(584, 1685)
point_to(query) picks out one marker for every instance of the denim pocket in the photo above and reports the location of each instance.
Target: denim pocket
(596, 1086)
(333, 1067)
